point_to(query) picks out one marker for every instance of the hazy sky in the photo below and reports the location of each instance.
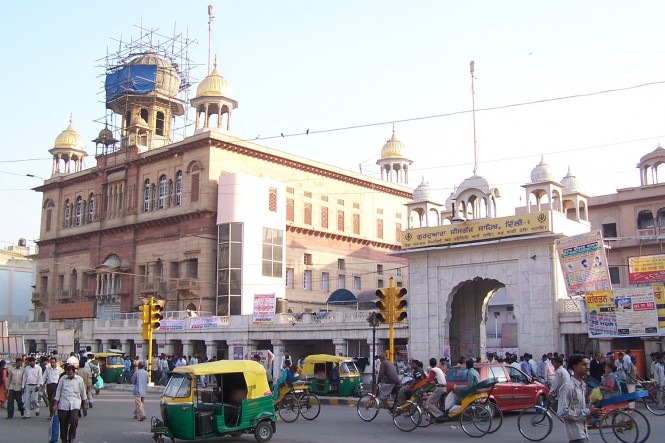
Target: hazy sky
(298, 65)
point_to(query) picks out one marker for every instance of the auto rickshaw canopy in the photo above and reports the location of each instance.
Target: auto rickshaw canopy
(254, 373)
(311, 360)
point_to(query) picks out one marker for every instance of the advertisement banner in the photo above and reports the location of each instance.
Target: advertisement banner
(205, 322)
(582, 259)
(659, 294)
(171, 325)
(624, 312)
(646, 269)
(477, 230)
(264, 308)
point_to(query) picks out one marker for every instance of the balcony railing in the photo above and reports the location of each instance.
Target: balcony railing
(152, 286)
(38, 297)
(187, 283)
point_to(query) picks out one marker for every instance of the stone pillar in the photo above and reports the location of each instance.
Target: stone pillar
(187, 348)
(341, 346)
(278, 348)
(127, 347)
(211, 349)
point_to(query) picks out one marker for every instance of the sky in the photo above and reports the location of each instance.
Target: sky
(542, 74)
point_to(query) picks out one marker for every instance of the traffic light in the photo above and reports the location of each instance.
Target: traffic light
(156, 308)
(145, 321)
(383, 303)
(399, 303)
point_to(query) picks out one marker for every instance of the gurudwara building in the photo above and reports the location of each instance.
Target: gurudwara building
(210, 224)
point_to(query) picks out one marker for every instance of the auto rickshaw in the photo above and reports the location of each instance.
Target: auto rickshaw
(332, 375)
(237, 401)
(111, 365)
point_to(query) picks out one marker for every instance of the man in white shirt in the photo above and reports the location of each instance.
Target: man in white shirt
(659, 379)
(73, 360)
(438, 378)
(32, 383)
(50, 380)
(561, 376)
(70, 397)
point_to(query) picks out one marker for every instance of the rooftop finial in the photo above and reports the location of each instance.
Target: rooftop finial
(215, 64)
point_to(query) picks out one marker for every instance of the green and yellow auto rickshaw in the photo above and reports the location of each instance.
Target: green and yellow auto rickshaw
(111, 365)
(237, 401)
(332, 375)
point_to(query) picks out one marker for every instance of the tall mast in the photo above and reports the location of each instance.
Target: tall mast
(473, 112)
(210, 17)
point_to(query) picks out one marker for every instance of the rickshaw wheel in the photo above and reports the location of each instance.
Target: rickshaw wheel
(289, 408)
(476, 420)
(263, 432)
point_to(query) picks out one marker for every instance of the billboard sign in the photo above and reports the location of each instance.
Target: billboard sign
(583, 262)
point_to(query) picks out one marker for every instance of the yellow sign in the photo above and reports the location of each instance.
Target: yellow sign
(659, 293)
(646, 269)
(477, 230)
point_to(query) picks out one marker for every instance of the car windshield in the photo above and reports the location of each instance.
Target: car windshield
(348, 366)
(114, 360)
(178, 386)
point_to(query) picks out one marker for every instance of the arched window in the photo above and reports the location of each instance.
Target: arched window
(67, 213)
(146, 196)
(660, 218)
(645, 220)
(159, 123)
(178, 188)
(145, 115)
(91, 208)
(79, 211)
(162, 192)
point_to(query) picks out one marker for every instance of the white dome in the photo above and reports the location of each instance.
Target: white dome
(422, 191)
(474, 182)
(570, 183)
(541, 173)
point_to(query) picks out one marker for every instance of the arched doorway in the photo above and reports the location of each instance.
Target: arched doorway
(468, 310)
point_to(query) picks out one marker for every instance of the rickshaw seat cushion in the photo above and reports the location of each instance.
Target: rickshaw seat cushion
(488, 383)
(624, 398)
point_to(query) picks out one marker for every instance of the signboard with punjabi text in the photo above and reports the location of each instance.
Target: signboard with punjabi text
(646, 269)
(623, 312)
(477, 230)
(583, 262)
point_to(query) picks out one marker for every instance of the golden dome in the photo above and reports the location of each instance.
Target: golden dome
(69, 139)
(393, 148)
(214, 84)
(167, 81)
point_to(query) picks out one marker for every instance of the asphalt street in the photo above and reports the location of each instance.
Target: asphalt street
(110, 421)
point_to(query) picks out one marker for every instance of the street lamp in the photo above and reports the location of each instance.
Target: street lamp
(373, 321)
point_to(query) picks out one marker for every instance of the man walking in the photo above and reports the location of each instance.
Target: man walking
(32, 383)
(140, 382)
(659, 379)
(572, 401)
(14, 390)
(50, 382)
(70, 397)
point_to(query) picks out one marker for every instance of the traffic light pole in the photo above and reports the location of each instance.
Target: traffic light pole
(391, 318)
(149, 368)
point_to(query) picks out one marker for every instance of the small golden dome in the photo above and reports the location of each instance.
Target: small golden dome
(393, 148)
(214, 84)
(69, 139)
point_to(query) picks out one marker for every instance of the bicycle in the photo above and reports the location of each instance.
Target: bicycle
(475, 412)
(651, 400)
(536, 423)
(310, 406)
(405, 419)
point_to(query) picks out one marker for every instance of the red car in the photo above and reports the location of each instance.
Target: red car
(514, 391)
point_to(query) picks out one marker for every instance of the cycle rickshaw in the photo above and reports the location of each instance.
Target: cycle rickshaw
(618, 422)
(474, 417)
(294, 400)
